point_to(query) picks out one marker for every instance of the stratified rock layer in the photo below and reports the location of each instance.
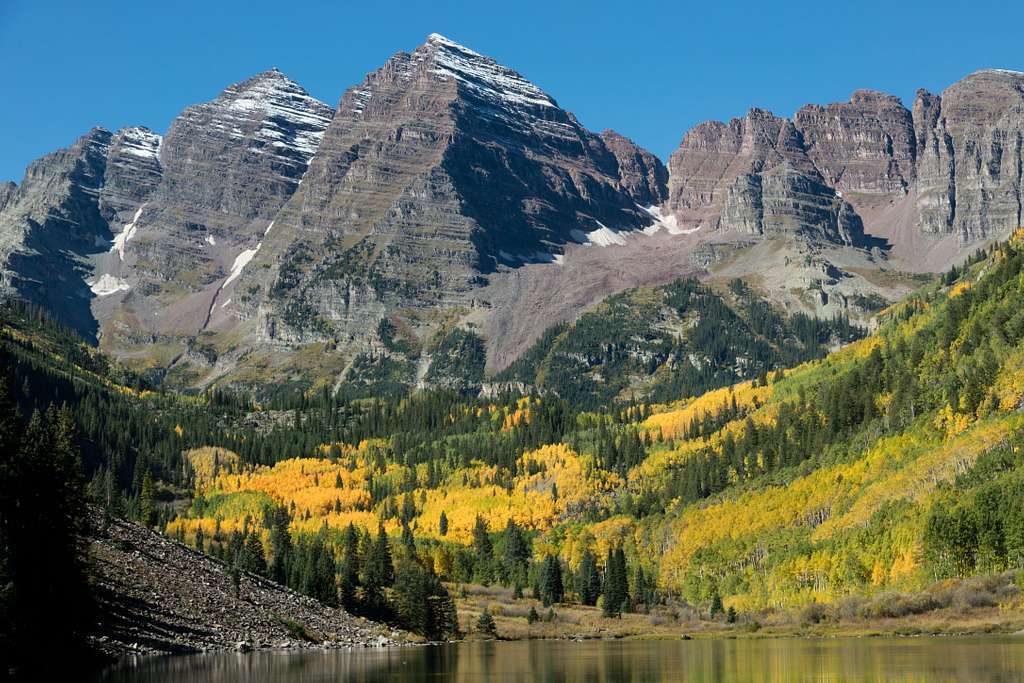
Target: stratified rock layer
(955, 159)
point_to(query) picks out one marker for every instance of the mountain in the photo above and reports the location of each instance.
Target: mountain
(439, 169)
(449, 209)
(928, 180)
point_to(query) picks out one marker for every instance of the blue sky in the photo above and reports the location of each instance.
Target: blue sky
(649, 70)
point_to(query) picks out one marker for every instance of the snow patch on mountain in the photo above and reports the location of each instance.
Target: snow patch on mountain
(289, 122)
(107, 284)
(241, 261)
(483, 75)
(121, 239)
(668, 223)
(141, 142)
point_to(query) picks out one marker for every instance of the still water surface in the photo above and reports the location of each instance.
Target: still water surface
(755, 661)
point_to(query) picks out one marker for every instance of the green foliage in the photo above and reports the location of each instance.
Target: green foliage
(615, 590)
(485, 624)
(627, 339)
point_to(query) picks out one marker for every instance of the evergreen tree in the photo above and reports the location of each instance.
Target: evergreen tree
(551, 587)
(485, 624)
(588, 579)
(348, 579)
(45, 597)
(147, 505)
(421, 601)
(378, 573)
(616, 583)
(442, 524)
(516, 555)
(483, 564)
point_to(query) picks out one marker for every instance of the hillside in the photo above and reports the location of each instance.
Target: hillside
(157, 596)
(859, 479)
(828, 481)
(682, 339)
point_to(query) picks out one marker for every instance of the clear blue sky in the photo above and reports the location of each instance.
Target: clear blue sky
(649, 70)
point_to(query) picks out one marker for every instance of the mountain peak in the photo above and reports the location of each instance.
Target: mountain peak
(483, 75)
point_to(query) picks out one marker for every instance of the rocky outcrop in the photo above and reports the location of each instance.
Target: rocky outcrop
(972, 153)
(753, 176)
(222, 172)
(866, 145)
(641, 174)
(133, 172)
(955, 160)
(158, 596)
(7, 190)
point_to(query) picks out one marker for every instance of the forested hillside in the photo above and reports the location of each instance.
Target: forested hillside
(813, 484)
(659, 344)
(885, 466)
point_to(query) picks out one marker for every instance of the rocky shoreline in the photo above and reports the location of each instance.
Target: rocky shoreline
(158, 596)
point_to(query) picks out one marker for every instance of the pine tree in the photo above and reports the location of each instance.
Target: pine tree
(485, 625)
(616, 584)
(551, 587)
(378, 573)
(147, 509)
(588, 579)
(442, 524)
(484, 549)
(348, 580)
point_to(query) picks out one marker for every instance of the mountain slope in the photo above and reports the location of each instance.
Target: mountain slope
(818, 483)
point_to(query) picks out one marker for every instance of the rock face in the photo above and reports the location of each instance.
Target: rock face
(440, 168)
(955, 160)
(50, 224)
(971, 152)
(754, 176)
(642, 175)
(225, 168)
(865, 145)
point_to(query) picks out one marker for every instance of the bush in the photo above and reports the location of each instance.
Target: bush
(532, 617)
(813, 613)
(485, 624)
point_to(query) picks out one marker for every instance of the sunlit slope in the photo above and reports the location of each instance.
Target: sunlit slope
(804, 485)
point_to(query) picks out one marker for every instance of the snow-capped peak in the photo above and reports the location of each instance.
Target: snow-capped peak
(291, 117)
(483, 75)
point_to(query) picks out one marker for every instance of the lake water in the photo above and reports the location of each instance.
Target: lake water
(862, 659)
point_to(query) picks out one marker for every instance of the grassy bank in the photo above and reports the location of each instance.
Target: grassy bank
(980, 605)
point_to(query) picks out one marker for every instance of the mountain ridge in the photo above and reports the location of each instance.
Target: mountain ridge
(447, 189)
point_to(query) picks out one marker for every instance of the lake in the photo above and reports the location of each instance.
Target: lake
(784, 659)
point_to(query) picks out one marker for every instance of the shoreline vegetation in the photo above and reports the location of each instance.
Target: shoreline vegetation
(985, 605)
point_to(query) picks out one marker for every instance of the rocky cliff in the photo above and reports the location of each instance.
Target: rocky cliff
(953, 163)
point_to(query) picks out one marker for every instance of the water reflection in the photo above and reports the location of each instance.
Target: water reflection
(754, 661)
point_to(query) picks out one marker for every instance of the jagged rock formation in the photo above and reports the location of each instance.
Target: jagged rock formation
(754, 176)
(226, 168)
(641, 174)
(955, 161)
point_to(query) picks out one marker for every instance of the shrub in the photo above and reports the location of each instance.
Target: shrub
(813, 613)
(485, 624)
